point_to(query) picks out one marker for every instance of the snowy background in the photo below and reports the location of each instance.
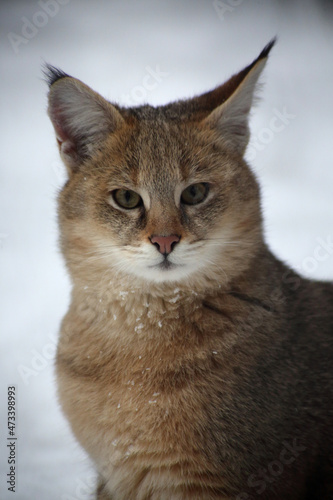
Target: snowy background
(112, 46)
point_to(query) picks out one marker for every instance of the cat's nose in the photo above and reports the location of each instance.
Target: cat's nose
(165, 244)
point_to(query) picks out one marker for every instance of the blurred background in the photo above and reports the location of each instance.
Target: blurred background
(186, 48)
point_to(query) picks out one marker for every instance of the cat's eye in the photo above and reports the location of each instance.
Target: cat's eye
(126, 198)
(194, 194)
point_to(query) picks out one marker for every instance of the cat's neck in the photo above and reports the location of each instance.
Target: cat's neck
(131, 297)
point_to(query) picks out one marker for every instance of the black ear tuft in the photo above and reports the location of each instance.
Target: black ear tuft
(53, 74)
(266, 50)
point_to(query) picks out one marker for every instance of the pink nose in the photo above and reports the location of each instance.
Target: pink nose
(165, 244)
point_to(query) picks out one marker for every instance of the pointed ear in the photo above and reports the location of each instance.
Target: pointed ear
(81, 117)
(233, 102)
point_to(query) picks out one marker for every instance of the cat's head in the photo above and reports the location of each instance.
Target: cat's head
(158, 194)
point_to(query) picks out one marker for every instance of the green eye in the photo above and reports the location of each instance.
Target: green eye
(194, 194)
(126, 198)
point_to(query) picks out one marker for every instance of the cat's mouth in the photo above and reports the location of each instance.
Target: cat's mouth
(165, 265)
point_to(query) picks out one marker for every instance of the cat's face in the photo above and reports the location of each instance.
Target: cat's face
(162, 202)
(157, 194)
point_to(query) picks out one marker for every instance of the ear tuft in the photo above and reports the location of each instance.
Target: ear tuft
(266, 50)
(53, 74)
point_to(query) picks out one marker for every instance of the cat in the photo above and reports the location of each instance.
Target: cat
(192, 363)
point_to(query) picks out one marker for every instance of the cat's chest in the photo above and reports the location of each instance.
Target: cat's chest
(138, 388)
(137, 372)
(140, 408)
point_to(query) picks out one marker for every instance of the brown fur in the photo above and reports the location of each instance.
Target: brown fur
(213, 386)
